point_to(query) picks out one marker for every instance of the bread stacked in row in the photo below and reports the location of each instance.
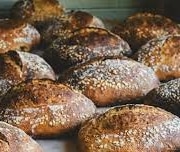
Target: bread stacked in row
(86, 66)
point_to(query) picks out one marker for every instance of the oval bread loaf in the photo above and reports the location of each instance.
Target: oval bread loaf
(17, 36)
(108, 80)
(166, 96)
(131, 128)
(13, 139)
(63, 26)
(34, 11)
(139, 28)
(83, 45)
(162, 55)
(43, 108)
(16, 66)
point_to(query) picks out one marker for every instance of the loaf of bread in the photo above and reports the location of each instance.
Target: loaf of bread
(166, 96)
(83, 45)
(162, 55)
(17, 36)
(43, 108)
(34, 11)
(13, 139)
(61, 27)
(16, 66)
(108, 80)
(138, 29)
(131, 128)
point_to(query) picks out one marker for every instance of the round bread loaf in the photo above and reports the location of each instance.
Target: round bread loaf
(166, 96)
(84, 45)
(16, 36)
(13, 139)
(131, 128)
(16, 67)
(142, 27)
(61, 27)
(43, 108)
(163, 55)
(108, 80)
(36, 10)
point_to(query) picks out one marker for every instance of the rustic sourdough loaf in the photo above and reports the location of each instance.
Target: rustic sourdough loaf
(162, 55)
(142, 27)
(83, 45)
(131, 128)
(13, 139)
(166, 96)
(16, 66)
(111, 80)
(43, 108)
(17, 36)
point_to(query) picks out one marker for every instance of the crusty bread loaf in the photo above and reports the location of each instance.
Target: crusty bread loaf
(13, 139)
(84, 45)
(61, 27)
(16, 66)
(33, 11)
(142, 27)
(108, 80)
(131, 128)
(163, 55)
(43, 108)
(166, 96)
(17, 36)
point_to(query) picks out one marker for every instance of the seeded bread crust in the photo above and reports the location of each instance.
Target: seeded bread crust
(16, 66)
(132, 128)
(83, 45)
(63, 26)
(43, 108)
(34, 11)
(13, 139)
(163, 55)
(108, 80)
(138, 29)
(166, 96)
(17, 36)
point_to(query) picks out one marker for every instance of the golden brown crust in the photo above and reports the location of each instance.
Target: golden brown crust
(166, 96)
(108, 80)
(80, 19)
(142, 27)
(36, 10)
(83, 45)
(20, 66)
(43, 108)
(61, 27)
(13, 139)
(16, 36)
(163, 55)
(131, 128)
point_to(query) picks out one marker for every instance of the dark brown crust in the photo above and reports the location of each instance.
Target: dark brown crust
(36, 10)
(163, 55)
(131, 128)
(166, 96)
(142, 27)
(43, 108)
(108, 80)
(13, 139)
(16, 67)
(83, 45)
(16, 36)
(61, 27)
